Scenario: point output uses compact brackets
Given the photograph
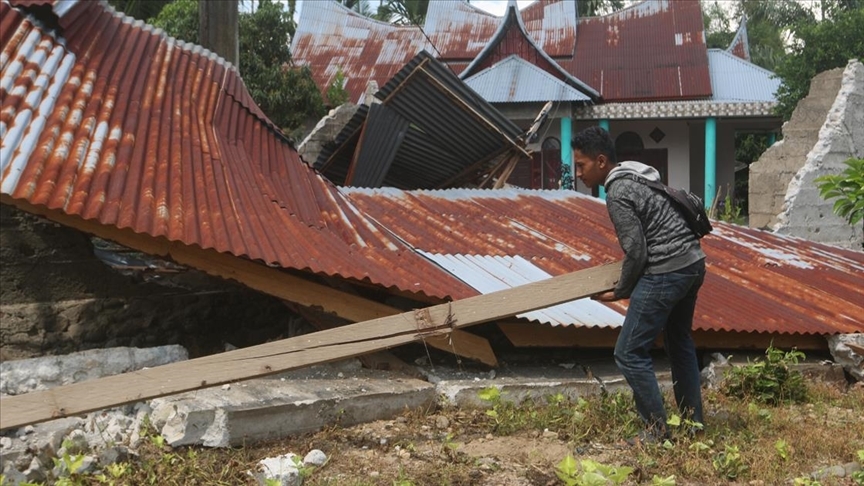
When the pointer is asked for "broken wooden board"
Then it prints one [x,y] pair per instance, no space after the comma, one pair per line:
[301,351]
[272,281]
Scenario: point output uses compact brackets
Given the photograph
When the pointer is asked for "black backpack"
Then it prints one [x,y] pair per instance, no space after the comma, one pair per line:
[689,205]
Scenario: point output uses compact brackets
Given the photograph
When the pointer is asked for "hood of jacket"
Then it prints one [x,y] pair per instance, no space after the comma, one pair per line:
[632,167]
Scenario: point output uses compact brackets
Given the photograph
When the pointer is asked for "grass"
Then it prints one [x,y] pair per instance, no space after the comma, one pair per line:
[746,440]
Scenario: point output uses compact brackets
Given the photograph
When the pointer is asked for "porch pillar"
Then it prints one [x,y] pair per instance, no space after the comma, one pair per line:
[567,148]
[604,124]
[710,160]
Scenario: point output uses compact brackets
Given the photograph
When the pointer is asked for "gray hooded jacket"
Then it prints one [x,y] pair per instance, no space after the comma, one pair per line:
[654,236]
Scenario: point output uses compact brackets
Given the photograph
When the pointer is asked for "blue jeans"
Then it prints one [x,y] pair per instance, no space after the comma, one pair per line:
[662,303]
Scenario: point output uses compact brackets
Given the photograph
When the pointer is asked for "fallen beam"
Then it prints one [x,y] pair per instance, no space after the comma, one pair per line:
[301,351]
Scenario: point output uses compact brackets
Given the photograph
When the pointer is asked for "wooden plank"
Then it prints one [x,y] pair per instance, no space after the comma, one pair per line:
[297,352]
[271,281]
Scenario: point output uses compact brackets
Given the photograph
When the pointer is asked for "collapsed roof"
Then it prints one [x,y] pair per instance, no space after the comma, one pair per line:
[111,123]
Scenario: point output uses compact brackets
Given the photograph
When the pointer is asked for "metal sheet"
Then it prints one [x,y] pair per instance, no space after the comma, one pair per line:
[117,123]
[736,80]
[757,281]
[515,80]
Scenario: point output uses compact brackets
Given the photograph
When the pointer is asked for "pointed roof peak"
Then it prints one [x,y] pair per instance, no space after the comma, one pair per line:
[740,45]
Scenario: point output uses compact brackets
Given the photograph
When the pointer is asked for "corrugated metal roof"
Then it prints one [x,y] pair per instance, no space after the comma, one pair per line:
[515,80]
[757,281]
[117,123]
[512,39]
[735,79]
[654,50]
[331,39]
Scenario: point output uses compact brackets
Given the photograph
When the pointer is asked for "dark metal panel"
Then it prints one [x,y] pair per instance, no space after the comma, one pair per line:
[380,141]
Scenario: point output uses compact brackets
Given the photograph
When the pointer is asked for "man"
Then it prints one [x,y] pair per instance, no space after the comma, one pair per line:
[663,269]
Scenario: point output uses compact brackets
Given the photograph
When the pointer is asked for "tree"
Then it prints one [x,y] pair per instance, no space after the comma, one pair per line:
[848,188]
[592,8]
[360,6]
[140,9]
[179,19]
[286,94]
[404,12]
[821,46]
[718,26]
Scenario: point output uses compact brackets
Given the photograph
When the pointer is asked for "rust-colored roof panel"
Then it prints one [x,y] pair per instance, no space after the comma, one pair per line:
[757,281]
[653,50]
[117,123]
[333,39]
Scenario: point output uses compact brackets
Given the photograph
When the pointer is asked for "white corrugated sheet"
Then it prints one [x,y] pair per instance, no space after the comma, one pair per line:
[515,80]
[488,274]
[734,79]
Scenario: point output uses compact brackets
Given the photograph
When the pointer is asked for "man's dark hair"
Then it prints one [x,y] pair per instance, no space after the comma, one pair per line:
[594,141]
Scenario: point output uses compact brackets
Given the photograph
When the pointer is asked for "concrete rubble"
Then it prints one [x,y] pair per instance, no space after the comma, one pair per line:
[848,351]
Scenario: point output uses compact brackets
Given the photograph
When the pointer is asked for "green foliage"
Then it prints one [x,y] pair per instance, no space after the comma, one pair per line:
[771,381]
[858,476]
[403,12]
[140,9]
[821,46]
[286,94]
[667,481]
[336,93]
[718,26]
[592,8]
[728,463]
[848,188]
[179,19]
[782,448]
[589,473]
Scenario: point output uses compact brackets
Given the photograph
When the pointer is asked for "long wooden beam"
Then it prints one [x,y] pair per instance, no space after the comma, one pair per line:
[257,276]
[319,347]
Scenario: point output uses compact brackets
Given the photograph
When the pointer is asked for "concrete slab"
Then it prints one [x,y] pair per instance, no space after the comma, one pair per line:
[270,408]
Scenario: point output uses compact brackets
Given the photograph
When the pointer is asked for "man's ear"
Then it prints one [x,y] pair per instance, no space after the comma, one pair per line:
[602,160]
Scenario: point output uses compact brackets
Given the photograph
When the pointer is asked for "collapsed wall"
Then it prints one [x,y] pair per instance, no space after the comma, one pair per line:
[826,129]
[57,297]
[841,137]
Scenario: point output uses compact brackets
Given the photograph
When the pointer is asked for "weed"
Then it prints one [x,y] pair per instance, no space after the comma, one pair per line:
[771,381]
[729,464]
[667,481]
[587,472]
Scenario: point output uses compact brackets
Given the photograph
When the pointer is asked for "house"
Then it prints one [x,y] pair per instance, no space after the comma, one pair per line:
[644,73]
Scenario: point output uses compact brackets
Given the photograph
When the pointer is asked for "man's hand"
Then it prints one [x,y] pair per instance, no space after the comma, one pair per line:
[605,297]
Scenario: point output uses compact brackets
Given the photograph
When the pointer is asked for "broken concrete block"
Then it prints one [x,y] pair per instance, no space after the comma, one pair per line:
[848,351]
[282,470]
[26,375]
[270,408]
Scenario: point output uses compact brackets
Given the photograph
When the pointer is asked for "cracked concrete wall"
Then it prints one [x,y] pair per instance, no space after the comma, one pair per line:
[826,129]
[805,213]
[771,174]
